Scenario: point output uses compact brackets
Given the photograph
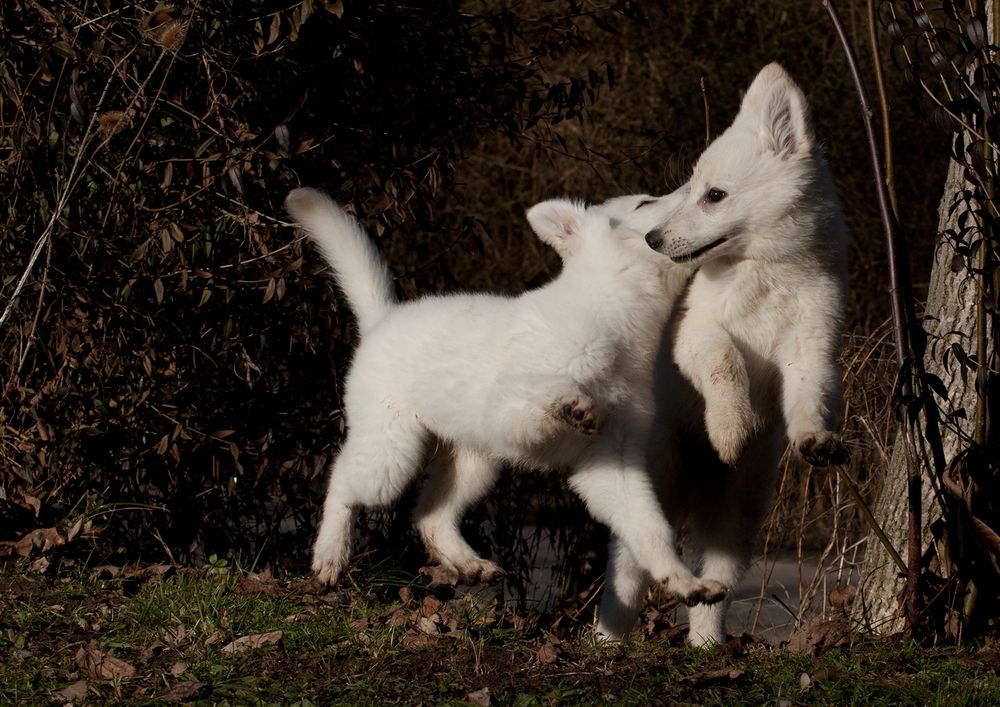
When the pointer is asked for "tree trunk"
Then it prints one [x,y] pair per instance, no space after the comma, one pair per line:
[951,301]
[950,318]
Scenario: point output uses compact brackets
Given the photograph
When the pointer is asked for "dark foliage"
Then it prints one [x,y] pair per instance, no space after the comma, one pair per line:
[172,347]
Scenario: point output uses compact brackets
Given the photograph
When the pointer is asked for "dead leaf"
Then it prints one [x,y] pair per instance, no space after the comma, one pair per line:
[549,653]
[39,566]
[175,636]
[179,668]
[405,594]
[480,697]
[713,676]
[430,606]
[74,530]
[427,625]
[98,664]
[255,584]
[256,640]
[842,597]
[400,617]
[181,691]
[440,576]
[77,692]
[39,540]
[26,500]
[817,634]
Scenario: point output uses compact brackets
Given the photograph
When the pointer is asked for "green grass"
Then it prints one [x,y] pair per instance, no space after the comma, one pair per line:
[368,644]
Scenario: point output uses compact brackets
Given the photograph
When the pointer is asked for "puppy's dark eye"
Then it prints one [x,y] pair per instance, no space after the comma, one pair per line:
[644,202]
[715,195]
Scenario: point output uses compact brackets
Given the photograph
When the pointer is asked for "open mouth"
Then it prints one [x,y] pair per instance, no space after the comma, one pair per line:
[688,257]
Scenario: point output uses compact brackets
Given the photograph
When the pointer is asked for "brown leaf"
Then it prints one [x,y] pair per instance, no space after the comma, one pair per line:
[480,697]
[181,691]
[713,676]
[179,668]
[98,664]
[549,653]
[35,541]
[405,594]
[842,597]
[816,634]
[427,625]
[256,640]
[430,606]
[77,692]
[254,584]
[400,617]
[440,576]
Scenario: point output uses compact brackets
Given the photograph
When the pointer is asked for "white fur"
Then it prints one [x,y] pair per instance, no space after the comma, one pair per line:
[757,344]
[494,378]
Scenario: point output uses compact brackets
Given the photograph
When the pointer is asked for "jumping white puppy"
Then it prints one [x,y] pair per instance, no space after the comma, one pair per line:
[756,340]
[495,378]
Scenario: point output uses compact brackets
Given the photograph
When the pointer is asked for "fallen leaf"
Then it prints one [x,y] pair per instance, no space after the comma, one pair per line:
[400,617]
[179,668]
[255,584]
[405,594]
[427,625]
[39,540]
[480,697]
[549,653]
[713,676]
[181,691]
[256,640]
[74,530]
[842,597]
[73,693]
[98,664]
[440,576]
[430,606]
[817,634]
[805,682]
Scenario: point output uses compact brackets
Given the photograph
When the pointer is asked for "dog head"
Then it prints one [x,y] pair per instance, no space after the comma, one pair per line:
[573,228]
[745,188]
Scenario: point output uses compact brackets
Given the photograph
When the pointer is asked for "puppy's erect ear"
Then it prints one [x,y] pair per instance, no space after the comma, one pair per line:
[557,222]
[778,108]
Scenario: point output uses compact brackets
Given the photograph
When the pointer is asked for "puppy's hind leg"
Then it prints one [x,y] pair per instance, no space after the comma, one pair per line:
[455,481]
[724,523]
[381,455]
[618,492]
[625,586]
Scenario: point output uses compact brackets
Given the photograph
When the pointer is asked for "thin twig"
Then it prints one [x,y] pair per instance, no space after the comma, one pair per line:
[883,102]
[912,397]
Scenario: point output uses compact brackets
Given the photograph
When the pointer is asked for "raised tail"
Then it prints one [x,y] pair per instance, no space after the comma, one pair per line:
[359,269]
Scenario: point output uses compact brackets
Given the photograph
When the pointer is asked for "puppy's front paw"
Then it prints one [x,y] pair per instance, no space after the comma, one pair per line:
[697,591]
[578,412]
[822,448]
[327,569]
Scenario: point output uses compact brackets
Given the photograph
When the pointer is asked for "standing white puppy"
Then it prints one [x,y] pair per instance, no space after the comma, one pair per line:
[495,378]
[756,340]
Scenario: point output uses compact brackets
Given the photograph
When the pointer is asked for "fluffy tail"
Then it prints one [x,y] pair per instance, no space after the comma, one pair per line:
[359,269]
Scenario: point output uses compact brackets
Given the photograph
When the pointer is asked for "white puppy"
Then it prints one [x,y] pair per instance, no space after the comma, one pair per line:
[756,339]
[495,378]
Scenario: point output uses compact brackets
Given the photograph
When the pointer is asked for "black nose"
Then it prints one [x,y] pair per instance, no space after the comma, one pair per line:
[654,239]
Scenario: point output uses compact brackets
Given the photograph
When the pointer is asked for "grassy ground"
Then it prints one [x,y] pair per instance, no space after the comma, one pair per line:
[221,636]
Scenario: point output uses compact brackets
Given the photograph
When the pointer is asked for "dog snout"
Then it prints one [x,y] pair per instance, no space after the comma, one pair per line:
[654,239]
